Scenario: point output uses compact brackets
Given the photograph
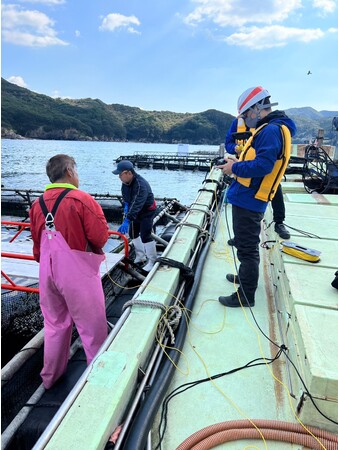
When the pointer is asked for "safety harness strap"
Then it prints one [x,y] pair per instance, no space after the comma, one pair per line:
[49,216]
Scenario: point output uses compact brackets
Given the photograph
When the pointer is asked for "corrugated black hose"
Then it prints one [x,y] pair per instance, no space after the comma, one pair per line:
[143,421]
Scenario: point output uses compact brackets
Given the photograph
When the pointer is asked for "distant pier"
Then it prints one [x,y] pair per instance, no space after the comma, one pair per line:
[180,160]
[172,161]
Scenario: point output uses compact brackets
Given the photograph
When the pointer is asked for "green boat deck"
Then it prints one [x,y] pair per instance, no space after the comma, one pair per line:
[295,306]
[222,339]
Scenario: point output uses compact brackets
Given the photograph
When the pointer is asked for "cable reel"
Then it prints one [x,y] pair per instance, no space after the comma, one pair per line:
[320,172]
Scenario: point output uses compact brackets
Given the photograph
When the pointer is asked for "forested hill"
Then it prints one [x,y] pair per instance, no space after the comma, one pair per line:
[30,115]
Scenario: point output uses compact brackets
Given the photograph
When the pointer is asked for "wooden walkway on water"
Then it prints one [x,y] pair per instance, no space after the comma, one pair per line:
[171,161]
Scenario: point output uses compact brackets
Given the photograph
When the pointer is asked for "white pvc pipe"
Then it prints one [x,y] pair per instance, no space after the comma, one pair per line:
[20,358]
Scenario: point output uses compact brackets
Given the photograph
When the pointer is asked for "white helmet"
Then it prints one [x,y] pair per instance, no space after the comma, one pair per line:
[252,96]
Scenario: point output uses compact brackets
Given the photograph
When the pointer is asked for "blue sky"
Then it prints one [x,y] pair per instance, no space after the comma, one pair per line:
[176,55]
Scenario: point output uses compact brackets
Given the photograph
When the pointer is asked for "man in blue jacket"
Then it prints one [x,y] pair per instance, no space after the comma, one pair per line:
[139,212]
[278,207]
[257,175]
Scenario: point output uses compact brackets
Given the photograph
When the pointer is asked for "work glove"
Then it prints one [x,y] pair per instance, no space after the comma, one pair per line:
[123,229]
[126,208]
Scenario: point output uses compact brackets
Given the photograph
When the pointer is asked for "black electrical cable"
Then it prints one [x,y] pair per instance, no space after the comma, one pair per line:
[191,384]
[143,421]
[305,233]
[239,279]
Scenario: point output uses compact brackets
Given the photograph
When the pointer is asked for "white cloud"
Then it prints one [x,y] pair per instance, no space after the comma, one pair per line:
[77,33]
[27,27]
[257,23]
[132,30]
[326,6]
[18,81]
[56,94]
[240,12]
[272,36]
[44,2]
[114,21]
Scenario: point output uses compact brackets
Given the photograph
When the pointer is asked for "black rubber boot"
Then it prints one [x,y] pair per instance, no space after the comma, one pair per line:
[232,278]
[233,301]
[282,231]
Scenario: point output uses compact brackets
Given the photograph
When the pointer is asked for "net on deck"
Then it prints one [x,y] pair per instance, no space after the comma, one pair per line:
[21,319]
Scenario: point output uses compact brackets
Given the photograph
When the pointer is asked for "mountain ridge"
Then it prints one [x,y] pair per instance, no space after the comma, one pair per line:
[27,114]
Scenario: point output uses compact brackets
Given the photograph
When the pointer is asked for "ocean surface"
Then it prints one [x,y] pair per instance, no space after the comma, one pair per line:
[23,165]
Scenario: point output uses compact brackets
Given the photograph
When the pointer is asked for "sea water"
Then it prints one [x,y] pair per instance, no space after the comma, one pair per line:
[23,164]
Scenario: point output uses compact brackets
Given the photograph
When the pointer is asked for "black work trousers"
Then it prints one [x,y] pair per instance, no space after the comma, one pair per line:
[142,226]
[278,206]
[247,227]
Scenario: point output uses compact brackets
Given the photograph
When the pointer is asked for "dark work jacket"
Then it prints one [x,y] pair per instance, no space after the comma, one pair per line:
[139,196]
[268,145]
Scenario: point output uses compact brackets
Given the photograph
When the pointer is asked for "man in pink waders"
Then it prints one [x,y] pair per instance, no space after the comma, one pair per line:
[69,230]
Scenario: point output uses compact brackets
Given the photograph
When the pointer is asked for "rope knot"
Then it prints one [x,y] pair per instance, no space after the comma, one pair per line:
[169,322]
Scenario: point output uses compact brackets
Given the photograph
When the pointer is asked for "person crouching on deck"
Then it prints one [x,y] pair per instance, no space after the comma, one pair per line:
[139,212]
[257,175]
[69,230]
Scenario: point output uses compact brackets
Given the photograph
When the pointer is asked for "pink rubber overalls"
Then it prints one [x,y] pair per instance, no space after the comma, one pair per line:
[70,292]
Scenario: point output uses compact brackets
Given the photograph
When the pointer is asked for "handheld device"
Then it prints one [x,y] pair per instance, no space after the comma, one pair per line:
[241,135]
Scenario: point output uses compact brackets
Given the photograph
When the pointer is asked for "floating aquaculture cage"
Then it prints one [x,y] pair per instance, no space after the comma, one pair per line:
[171,161]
